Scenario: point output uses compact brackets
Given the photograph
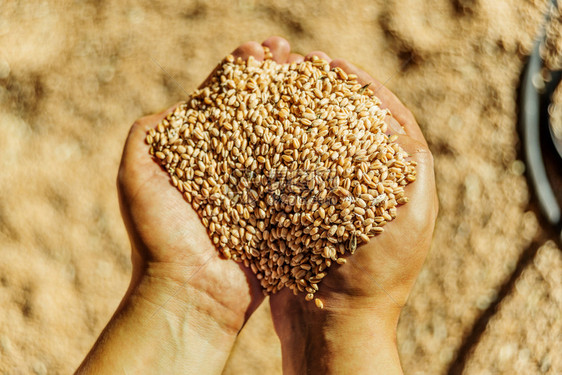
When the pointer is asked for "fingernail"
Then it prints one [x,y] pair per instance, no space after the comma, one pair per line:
[394,125]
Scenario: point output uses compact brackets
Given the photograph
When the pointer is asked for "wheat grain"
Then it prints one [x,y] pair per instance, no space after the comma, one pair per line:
[288,167]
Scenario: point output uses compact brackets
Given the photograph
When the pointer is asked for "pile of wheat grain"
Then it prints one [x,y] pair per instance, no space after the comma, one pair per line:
[287,165]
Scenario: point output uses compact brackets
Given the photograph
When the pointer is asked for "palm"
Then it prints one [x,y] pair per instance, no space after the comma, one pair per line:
[389,263]
[385,268]
[167,233]
[383,271]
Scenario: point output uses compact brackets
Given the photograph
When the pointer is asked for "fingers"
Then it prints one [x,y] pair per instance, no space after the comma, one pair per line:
[249,49]
[394,126]
[243,51]
[388,99]
[410,145]
[135,152]
[295,58]
[423,205]
[363,77]
[423,189]
[279,48]
[419,153]
[418,214]
[142,125]
[319,54]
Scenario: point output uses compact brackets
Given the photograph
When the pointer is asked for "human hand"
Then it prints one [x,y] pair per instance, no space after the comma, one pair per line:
[185,305]
[363,298]
[182,291]
[168,239]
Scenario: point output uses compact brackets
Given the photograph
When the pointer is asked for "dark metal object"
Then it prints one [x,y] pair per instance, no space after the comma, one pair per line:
[549,91]
[534,119]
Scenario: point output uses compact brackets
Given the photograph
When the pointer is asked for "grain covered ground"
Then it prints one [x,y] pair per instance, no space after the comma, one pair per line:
[75,74]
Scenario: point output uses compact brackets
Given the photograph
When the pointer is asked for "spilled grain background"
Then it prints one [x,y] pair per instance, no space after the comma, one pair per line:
[74,75]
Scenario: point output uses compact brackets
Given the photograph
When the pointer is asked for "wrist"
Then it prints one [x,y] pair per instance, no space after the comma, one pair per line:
[163,326]
[342,345]
[338,340]
[176,291]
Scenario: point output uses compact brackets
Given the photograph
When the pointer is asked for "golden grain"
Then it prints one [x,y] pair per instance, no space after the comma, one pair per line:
[319,303]
[287,166]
